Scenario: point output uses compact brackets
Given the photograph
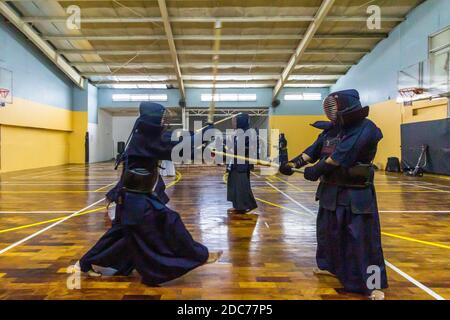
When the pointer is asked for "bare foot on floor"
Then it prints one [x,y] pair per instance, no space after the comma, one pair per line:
[320,272]
[214,256]
[377,295]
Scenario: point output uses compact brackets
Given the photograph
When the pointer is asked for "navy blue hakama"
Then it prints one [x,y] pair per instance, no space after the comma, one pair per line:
[159,247]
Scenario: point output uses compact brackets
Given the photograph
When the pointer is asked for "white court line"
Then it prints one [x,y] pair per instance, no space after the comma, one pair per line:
[413,211]
[108,185]
[423,187]
[49,184]
[414,281]
[40,174]
[6,212]
[294,201]
[15,244]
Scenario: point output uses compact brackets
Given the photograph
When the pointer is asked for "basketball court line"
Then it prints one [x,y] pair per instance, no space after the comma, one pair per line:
[310,212]
[414,211]
[48,173]
[50,184]
[414,281]
[397,270]
[15,244]
[178,177]
[390,265]
[36,212]
[424,187]
[48,221]
[108,185]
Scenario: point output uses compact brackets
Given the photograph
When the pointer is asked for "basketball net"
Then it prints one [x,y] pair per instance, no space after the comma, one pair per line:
[408,94]
[3,95]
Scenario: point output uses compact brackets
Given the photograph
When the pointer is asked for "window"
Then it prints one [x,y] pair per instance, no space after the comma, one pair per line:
[308,96]
[439,55]
[229,97]
[139,97]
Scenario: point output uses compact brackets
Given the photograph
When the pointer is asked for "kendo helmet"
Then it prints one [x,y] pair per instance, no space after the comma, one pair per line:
[344,107]
[155,113]
[243,121]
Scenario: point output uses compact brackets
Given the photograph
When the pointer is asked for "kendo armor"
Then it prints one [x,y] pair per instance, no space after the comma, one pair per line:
[344,108]
[143,176]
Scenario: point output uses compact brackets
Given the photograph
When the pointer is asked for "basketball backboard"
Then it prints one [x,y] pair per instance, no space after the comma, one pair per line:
[431,76]
[6,84]
[439,56]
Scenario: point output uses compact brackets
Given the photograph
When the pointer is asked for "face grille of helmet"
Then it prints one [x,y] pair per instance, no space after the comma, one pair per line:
[330,106]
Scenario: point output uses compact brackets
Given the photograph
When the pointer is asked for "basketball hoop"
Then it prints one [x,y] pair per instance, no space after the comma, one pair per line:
[3,95]
[408,94]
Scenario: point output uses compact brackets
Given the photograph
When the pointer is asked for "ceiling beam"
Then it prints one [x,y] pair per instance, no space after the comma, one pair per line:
[261,82]
[246,37]
[173,50]
[202,65]
[112,52]
[203,19]
[186,76]
[301,48]
[45,47]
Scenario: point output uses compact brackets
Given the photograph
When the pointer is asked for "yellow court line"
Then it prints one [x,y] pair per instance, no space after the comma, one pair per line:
[416,240]
[434,244]
[288,183]
[383,233]
[177,179]
[278,206]
[48,221]
[101,188]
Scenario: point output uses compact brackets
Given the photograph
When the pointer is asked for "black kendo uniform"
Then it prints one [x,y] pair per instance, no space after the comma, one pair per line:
[348,227]
[282,147]
[239,189]
[146,235]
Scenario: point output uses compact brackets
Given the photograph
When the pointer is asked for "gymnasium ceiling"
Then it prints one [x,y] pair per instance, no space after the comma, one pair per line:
[125,43]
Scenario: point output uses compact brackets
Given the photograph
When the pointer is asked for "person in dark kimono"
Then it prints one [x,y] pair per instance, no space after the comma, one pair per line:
[282,147]
[146,235]
[239,189]
[348,226]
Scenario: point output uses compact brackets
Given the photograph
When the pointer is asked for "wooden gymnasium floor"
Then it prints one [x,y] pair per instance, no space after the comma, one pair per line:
[266,256]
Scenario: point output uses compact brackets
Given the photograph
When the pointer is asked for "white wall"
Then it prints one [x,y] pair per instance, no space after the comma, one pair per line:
[121,129]
[100,138]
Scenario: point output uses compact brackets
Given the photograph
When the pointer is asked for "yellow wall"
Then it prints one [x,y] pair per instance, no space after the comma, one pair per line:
[297,130]
[389,116]
[426,111]
[35,135]
[27,148]
[77,137]
[26,113]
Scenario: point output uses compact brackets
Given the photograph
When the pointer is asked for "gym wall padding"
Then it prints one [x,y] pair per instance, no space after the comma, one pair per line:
[435,134]
[390,115]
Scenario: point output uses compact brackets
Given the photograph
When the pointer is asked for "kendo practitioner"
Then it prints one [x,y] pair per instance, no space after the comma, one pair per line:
[146,235]
[282,147]
[348,226]
[239,189]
